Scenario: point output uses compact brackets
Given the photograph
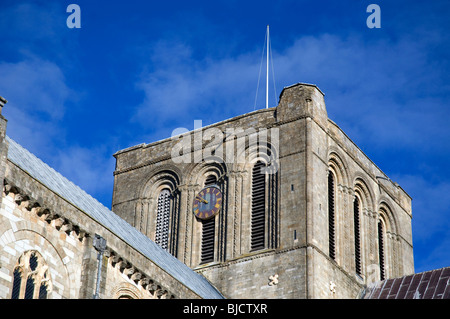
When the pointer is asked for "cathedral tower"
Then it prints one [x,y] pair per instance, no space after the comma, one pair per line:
[276,203]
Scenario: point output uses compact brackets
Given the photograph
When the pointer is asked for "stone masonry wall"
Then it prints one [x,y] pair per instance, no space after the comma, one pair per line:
[33,218]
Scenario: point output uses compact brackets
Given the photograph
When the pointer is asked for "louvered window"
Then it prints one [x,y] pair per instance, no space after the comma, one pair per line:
[357,236]
[331,216]
[258,219]
[162,219]
[210,180]
[381,250]
[208,230]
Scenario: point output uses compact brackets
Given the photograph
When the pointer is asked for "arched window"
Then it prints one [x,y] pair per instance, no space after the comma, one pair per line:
[381,249]
[208,230]
[258,217]
[162,218]
[158,210]
[357,232]
[331,216]
[31,279]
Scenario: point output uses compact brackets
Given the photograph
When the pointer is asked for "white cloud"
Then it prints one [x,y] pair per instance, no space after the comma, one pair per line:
[381,92]
[184,87]
[35,85]
[89,168]
[37,95]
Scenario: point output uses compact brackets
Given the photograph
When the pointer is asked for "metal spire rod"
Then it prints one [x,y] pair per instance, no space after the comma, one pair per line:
[267,70]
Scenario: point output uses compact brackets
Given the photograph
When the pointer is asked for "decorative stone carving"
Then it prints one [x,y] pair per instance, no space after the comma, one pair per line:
[332,287]
[273,280]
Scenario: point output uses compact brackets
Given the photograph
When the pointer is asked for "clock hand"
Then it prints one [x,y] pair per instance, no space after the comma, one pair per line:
[202,199]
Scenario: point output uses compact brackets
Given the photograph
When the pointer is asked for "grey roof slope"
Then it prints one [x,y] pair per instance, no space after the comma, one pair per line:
[75,195]
[433,284]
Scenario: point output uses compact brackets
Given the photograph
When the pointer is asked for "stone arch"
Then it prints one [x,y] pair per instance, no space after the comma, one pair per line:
[147,205]
[126,290]
[338,197]
[165,176]
[392,253]
[266,154]
[32,265]
[196,178]
[361,222]
[49,248]
[365,193]
[339,167]
[197,174]
[385,212]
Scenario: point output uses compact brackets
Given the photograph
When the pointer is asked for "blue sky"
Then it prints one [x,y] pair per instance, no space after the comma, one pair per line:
[136,70]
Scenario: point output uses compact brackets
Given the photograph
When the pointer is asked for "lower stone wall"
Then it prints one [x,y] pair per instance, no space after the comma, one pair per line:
[67,256]
[262,275]
[282,275]
[329,281]
[61,252]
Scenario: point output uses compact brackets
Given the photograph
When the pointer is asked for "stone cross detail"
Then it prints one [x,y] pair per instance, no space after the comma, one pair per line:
[273,280]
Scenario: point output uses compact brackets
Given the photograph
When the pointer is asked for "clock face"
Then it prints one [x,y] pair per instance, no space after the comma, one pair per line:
[207,202]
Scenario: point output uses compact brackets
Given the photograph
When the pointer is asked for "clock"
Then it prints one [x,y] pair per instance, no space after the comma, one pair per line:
[207,202]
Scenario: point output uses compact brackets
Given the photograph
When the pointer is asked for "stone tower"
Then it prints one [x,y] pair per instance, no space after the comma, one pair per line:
[305,213]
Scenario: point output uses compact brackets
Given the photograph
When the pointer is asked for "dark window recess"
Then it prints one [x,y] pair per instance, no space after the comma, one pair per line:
[331,217]
[162,219]
[29,289]
[210,180]
[258,207]
[43,291]
[381,249]
[16,284]
[208,230]
[33,262]
[357,237]
[208,235]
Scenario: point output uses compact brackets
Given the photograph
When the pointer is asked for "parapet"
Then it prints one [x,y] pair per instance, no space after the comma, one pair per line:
[302,100]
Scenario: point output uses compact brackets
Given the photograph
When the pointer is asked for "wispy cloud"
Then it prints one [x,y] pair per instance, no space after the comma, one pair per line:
[38,100]
[37,95]
[89,167]
[366,85]
[186,87]
[36,85]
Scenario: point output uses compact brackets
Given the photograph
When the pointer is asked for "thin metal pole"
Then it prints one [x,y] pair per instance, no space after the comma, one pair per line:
[99,244]
[99,273]
[267,70]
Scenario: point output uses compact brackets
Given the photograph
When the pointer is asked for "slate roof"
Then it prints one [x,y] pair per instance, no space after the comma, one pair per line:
[434,284]
[75,195]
